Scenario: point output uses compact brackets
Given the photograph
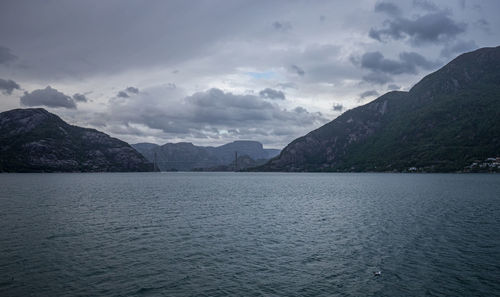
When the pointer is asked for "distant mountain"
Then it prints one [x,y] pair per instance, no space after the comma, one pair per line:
[185,156]
[243,162]
[35,140]
[445,122]
[146,149]
[253,149]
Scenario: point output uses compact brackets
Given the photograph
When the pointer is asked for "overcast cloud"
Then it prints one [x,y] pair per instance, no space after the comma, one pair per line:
[407,63]
[80,97]
[8,86]
[6,56]
[433,27]
[208,115]
[213,71]
[272,94]
[371,93]
[48,97]
[387,7]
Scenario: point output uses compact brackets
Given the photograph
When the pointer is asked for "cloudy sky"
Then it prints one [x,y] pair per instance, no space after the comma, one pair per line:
[213,71]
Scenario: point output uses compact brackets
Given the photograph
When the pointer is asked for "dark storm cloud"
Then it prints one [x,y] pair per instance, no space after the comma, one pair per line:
[382,68]
[6,56]
[122,94]
[132,90]
[47,97]
[127,92]
[80,97]
[337,107]
[272,94]
[407,63]
[429,28]
[458,47]
[371,93]
[375,61]
[8,86]
[298,70]
[387,7]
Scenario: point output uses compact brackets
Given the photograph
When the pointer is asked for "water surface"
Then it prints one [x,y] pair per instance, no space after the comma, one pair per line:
[249,234]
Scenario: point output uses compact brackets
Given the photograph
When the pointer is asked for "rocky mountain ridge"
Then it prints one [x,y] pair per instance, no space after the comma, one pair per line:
[185,156]
[445,122]
[35,140]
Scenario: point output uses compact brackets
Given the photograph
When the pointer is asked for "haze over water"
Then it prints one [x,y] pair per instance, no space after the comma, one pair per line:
[249,234]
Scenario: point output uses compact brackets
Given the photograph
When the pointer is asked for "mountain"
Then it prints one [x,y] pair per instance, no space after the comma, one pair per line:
[185,156]
[445,122]
[146,149]
[35,140]
[253,149]
[243,162]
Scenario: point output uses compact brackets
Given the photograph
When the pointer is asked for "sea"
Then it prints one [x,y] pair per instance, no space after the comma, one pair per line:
[249,234]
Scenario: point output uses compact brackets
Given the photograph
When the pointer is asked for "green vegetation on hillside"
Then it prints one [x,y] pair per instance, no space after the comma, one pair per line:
[444,123]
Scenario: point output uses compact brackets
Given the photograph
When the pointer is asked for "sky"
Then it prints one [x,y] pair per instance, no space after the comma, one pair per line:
[211,71]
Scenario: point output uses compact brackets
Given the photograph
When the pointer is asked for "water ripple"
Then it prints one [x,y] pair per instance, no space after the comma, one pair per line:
[234,234]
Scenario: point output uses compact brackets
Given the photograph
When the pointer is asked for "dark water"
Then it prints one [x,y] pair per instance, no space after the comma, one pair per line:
[239,234]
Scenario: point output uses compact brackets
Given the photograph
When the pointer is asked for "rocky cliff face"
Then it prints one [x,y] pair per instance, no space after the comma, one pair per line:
[34,140]
[447,120]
